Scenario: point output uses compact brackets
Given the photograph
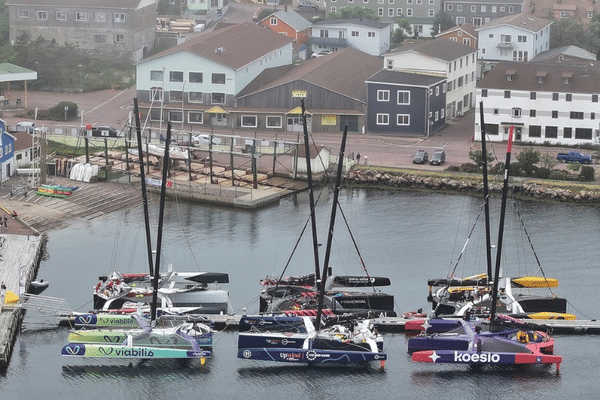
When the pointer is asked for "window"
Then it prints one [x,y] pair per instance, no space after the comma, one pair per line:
[218,98]
[437,90]
[195,77]
[402,119]
[119,38]
[511,9]
[442,113]
[522,38]
[218,79]
[554,96]
[431,12]
[484,93]
[483,9]
[155,115]
[496,111]
[507,94]
[273,121]
[449,7]
[383,95]
[576,115]
[431,2]
[119,17]
[437,114]
[249,121]
[398,12]
[80,16]
[195,117]
[176,96]
[590,14]
[175,115]
[459,7]
[569,97]
[460,20]
[156,94]
[156,76]
[390,13]
[195,97]
[61,15]
[409,12]
[583,133]
[390,63]
[99,38]
[532,113]
[551,132]
[594,98]
[532,95]
[568,133]
[273,21]
[592,115]
[354,33]
[372,34]
[23,14]
[554,114]
[535,131]
[516,112]
[494,9]
[175,76]
[380,12]
[403,97]
[460,81]
[383,119]
[42,15]
[100,17]
[473,8]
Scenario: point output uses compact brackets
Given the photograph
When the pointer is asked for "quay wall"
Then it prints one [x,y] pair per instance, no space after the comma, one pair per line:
[573,192]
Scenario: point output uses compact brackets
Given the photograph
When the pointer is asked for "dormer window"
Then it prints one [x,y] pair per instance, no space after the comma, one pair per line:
[567,76]
[510,75]
[541,76]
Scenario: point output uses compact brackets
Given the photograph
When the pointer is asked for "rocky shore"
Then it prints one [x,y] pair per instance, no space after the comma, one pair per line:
[575,192]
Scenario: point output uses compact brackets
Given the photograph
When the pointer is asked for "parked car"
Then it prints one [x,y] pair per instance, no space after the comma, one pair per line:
[24,126]
[574,156]
[320,54]
[307,5]
[106,131]
[256,14]
[420,157]
[438,158]
[203,139]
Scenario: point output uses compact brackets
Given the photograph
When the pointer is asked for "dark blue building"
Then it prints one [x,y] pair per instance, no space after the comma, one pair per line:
[405,103]
[7,150]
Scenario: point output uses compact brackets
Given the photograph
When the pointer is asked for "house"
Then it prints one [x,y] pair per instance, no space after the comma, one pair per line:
[553,103]
[196,82]
[7,149]
[514,38]
[405,103]
[566,54]
[333,88]
[288,23]
[319,159]
[465,34]
[23,149]
[456,62]
[371,37]
[480,12]
[106,29]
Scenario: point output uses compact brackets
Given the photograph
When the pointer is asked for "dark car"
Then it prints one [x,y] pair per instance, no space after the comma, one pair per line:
[420,157]
[307,5]
[438,157]
[106,131]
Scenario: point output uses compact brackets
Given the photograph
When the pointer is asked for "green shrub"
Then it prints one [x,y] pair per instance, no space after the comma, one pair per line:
[57,113]
[468,167]
[587,174]
[557,175]
[542,173]
[497,169]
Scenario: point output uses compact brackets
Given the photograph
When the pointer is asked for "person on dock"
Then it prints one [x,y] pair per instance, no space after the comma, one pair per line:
[2,292]
[358,158]
[5,222]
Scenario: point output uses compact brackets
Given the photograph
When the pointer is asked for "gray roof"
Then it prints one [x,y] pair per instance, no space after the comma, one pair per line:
[585,77]
[404,78]
[569,51]
[343,72]
[291,18]
[467,28]
[521,21]
[243,43]
[368,23]
[486,1]
[443,49]
[123,4]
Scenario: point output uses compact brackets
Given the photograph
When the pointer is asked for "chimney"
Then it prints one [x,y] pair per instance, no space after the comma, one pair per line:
[285,8]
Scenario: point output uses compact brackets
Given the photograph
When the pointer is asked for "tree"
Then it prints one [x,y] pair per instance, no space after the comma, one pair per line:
[355,12]
[566,31]
[587,173]
[403,31]
[548,161]
[62,109]
[592,35]
[527,160]
[477,157]
[442,22]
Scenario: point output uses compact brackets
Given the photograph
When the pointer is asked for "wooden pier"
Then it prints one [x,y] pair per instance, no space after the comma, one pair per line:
[19,261]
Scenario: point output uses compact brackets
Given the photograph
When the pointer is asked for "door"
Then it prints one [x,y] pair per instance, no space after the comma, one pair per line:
[294,123]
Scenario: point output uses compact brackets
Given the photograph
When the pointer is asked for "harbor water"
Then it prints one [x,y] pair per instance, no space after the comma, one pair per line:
[406,236]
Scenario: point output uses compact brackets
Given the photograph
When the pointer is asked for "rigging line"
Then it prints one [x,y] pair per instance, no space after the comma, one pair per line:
[360,257]
[113,256]
[134,248]
[185,235]
[531,244]
[468,238]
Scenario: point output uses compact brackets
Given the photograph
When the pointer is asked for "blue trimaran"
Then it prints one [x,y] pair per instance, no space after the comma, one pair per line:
[299,340]
[133,337]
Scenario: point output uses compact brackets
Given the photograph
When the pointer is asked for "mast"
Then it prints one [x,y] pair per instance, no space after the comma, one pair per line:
[486,193]
[163,189]
[144,193]
[311,196]
[336,192]
[501,228]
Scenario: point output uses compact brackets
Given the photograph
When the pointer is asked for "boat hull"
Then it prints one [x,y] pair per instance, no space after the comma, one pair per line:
[313,356]
[137,352]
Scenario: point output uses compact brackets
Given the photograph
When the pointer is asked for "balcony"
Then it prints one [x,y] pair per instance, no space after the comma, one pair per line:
[326,41]
[505,45]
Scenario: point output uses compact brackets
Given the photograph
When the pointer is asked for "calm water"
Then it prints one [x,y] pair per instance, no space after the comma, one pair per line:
[407,236]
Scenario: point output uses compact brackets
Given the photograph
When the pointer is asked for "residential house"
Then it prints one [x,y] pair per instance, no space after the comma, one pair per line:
[23,149]
[456,62]
[371,37]
[405,103]
[465,34]
[288,23]
[514,38]
[566,54]
[480,12]
[7,148]
[333,87]
[197,81]
[554,103]
[320,159]
[581,11]
[105,29]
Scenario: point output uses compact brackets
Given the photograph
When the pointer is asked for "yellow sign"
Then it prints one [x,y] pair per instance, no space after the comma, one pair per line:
[329,120]
[298,93]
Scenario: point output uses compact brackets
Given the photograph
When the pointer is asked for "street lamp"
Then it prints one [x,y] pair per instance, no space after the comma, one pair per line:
[66,109]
